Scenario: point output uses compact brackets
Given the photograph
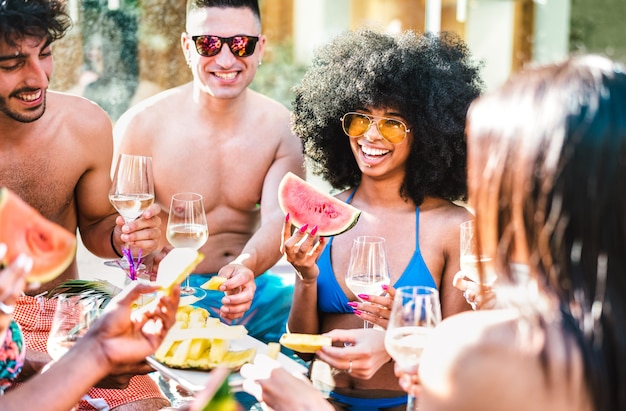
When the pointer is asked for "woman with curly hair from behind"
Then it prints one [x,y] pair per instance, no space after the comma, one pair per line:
[382,120]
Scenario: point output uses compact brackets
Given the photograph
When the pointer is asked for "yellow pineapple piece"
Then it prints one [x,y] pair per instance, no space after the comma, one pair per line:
[180,355]
[219,348]
[236,359]
[198,315]
[273,348]
[197,348]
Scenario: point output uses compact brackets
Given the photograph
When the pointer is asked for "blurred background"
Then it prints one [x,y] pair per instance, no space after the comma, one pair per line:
[121,51]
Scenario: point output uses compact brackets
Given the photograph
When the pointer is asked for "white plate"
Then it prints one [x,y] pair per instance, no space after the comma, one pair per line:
[194,381]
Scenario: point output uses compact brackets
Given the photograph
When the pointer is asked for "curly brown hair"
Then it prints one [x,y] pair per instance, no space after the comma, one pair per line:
[429,79]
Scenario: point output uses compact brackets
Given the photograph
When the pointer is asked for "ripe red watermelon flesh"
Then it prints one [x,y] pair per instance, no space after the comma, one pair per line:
[308,205]
[24,230]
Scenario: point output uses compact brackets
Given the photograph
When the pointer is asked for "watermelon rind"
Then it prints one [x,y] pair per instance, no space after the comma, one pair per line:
[306,204]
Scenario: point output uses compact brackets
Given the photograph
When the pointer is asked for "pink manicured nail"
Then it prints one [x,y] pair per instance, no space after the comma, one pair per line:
[303,228]
[321,240]
[314,230]
[384,287]
[358,312]
[364,296]
[287,218]
[352,304]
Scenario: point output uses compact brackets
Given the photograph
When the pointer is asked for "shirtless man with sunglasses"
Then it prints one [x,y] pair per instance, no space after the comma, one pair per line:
[216,137]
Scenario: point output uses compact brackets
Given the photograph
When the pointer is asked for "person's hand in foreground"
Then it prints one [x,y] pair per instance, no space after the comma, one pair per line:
[279,389]
[119,337]
[126,336]
[376,308]
[362,354]
[484,300]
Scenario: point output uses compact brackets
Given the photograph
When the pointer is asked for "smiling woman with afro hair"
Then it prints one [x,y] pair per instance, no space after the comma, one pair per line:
[382,119]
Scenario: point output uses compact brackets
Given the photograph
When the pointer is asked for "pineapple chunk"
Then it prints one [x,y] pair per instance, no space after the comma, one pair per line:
[200,341]
[182,352]
[219,348]
[273,350]
[197,348]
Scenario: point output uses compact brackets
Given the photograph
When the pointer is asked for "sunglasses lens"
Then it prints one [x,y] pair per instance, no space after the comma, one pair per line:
[355,125]
[208,46]
[242,46]
[393,130]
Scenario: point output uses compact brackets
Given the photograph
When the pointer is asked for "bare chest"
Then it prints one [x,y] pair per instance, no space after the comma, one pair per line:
[40,181]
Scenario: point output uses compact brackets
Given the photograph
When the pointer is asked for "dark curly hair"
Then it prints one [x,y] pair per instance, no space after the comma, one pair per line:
[429,79]
[32,18]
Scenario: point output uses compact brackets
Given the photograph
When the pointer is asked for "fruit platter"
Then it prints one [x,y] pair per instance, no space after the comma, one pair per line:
[198,343]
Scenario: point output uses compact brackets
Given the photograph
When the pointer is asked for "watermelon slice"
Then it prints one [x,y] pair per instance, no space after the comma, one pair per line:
[24,230]
[306,204]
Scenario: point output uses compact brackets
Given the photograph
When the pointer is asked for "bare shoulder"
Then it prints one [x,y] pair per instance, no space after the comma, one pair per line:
[485,360]
[147,116]
[76,111]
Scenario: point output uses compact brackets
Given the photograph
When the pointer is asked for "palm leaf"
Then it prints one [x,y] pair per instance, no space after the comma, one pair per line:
[101,290]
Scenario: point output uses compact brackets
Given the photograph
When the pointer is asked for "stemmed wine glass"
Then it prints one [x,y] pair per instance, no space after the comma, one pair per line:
[73,316]
[415,312]
[132,191]
[367,269]
[470,257]
[187,227]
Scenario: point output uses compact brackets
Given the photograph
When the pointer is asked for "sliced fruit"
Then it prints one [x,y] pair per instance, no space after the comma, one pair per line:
[304,343]
[176,266]
[214,283]
[192,344]
[306,204]
[273,349]
[24,230]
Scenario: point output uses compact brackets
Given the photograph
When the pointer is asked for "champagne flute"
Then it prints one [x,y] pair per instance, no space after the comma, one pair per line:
[73,316]
[132,191]
[415,312]
[187,227]
[470,258]
[367,269]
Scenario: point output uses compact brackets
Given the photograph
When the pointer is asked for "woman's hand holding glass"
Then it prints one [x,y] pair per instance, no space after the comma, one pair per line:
[377,308]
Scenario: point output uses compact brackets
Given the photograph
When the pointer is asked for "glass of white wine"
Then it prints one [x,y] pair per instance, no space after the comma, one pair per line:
[415,312]
[367,270]
[132,191]
[73,316]
[187,227]
[470,258]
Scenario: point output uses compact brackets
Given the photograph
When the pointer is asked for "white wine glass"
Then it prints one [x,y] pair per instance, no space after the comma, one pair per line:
[415,312]
[187,228]
[470,258]
[131,193]
[73,316]
[367,270]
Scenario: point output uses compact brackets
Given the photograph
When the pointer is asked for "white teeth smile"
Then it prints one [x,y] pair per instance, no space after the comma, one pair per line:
[226,76]
[373,151]
[29,96]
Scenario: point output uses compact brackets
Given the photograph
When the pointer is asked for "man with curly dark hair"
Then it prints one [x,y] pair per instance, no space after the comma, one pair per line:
[55,153]
[382,119]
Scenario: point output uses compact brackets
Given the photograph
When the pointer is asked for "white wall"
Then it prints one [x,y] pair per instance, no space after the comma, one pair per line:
[316,22]
[489,35]
[552,24]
